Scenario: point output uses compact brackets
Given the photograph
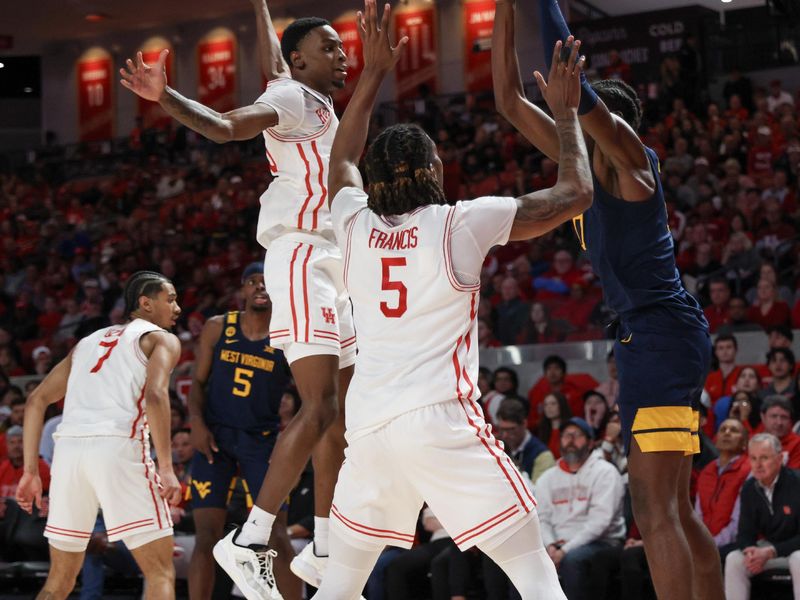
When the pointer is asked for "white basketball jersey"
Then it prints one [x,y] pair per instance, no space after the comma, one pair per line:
[298,149]
[105,390]
[416,323]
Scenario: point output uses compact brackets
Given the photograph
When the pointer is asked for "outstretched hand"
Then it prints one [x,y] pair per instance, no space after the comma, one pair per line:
[145,80]
[562,90]
[378,51]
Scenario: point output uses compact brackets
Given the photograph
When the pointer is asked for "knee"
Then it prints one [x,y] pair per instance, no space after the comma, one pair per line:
[205,539]
[794,564]
[734,561]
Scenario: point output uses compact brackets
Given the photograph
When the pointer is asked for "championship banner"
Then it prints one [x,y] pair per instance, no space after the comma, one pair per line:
[95,98]
[153,116]
[478,23]
[348,32]
[216,63]
[417,65]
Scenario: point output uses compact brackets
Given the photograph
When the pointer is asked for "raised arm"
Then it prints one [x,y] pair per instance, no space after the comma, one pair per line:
[509,95]
[541,211]
[380,57]
[269,46]
[52,389]
[150,82]
[616,140]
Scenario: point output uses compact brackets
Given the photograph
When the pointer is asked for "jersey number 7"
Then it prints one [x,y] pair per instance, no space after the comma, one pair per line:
[393,286]
[102,359]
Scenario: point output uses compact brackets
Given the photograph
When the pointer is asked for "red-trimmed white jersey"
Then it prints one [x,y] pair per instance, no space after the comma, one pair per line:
[298,149]
[105,390]
[416,321]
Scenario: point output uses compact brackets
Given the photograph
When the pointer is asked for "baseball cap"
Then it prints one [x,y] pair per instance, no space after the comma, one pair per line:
[14,431]
[582,425]
[254,268]
[701,160]
[40,351]
[764,130]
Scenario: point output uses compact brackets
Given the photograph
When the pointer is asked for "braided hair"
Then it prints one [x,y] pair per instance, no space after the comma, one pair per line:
[620,98]
[142,283]
[398,165]
[295,32]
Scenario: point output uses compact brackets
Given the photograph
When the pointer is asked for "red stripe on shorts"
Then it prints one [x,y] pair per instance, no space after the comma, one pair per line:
[371,531]
[488,527]
[81,537]
[113,529]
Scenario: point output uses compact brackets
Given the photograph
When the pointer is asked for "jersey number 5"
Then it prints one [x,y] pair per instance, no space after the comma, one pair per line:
[393,286]
[242,377]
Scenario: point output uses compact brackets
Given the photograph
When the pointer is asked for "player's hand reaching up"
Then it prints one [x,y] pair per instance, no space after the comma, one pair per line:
[169,488]
[147,81]
[29,492]
[562,90]
[379,54]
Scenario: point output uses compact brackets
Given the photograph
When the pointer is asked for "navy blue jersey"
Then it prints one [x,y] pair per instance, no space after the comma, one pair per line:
[246,382]
[632,252]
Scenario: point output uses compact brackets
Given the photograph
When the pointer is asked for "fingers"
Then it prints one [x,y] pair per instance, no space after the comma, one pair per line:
[37,498]
[400,45]
[139,61]
[387,10]
[556,55]
[578,68]
[361,25]
[573,55]
[213,443]
[162,59]
[540,82]
[208,454]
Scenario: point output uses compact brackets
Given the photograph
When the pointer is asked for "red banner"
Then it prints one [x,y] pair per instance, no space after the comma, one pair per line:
[478,23]
[95,101]
[346,28]
[152,114]
[216,63]
[417,65]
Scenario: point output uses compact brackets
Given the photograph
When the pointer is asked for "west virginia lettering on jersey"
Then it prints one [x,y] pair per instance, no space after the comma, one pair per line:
[396,240]
[248,360]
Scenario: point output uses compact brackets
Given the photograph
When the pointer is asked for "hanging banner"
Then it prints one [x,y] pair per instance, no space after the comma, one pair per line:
[153,116]
[346,28]
[216,64]
[417,64]
[95,97]
[478,23]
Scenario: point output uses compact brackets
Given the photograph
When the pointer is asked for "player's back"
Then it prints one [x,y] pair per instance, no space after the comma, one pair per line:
[105,389]
[415,316]
[298,149]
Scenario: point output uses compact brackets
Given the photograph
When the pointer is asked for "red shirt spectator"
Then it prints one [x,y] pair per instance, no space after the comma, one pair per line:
[11,468]
[717,312]
[721,382]
[776,415]
[617,68]
[555,379]
[768,311]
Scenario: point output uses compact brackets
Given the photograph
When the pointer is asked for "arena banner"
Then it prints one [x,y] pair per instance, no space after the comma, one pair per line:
[345,26]
[417,65]
[643,40]
[153,116]
[95,96]
[216,64]
[478,23]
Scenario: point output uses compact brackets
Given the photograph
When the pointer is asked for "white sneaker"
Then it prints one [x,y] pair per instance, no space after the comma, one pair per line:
[250,567]
[308,566]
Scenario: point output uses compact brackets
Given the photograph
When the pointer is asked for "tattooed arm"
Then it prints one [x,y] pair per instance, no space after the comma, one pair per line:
[541,211]
[150,82]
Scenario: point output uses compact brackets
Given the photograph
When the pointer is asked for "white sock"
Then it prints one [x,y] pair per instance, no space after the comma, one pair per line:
[321,536]
[257,528]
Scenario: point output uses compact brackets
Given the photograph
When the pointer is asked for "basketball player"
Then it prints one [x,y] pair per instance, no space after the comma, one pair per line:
[115,385]
[237,385]
[412,264]
[662,348]
[311,315]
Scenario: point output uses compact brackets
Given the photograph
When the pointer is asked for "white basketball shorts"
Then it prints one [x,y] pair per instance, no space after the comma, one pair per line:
[112,473]
[443,454]
[311,311]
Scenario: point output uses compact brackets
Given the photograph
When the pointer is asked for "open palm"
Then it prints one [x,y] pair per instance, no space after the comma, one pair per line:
[147,81]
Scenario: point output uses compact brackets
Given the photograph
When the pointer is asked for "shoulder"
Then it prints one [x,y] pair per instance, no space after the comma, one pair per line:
[150,340]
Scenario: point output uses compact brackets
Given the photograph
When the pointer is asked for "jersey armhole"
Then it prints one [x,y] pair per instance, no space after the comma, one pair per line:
[448,256]
[348,244]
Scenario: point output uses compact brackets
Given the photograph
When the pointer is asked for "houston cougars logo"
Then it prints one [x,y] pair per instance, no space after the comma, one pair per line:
[324,114]
[329,315]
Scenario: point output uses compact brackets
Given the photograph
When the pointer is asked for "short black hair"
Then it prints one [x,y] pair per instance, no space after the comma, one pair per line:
[295,32]
[786,352]
[554,359]
[727,337]
[514,410]
[723,280]
[620,98]
[398,165]
[776,400]
[783,330]
[142,283]
[511,373]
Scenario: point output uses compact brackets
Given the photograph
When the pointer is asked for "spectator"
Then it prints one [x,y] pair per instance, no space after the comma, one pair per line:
[555,413]
[741,86]
[775,229]
[718,485]
[769,531]
[617,68]
[748,381]
[612,448]
[539,328]
[738,321]
[554,379]
[529,454]
[717,312]
[574,312]
[486,337]
[780,362]
[767,271]
[761,155]
[511,312]
[580,508]
[595,412]
[776,415]
[504,385]
[11,468]
[555,283]
[182,452]
[610,388]
[42,360]
[744,409]
[777,96]
[735,109]
[768,310]
[780,336]
[720,381]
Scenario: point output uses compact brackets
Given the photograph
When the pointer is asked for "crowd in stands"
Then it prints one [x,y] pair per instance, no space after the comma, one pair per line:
[174,203]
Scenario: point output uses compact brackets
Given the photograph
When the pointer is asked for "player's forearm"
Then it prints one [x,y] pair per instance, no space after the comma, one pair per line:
[196,402]
[159,415]
[198,117]
[269,46]
[351,136]
[32,434]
